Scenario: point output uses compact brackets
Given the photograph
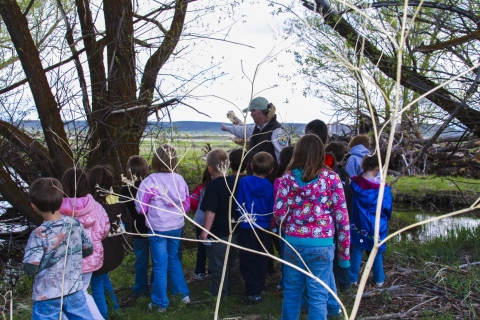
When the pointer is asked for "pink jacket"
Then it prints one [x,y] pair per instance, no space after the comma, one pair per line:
[95,221]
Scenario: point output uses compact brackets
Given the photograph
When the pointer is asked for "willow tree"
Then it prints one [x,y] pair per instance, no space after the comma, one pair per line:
[103,70]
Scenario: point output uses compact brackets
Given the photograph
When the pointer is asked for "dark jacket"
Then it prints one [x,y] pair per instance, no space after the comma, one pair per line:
[362,223]
[112,245]
[258,144]
[128,195]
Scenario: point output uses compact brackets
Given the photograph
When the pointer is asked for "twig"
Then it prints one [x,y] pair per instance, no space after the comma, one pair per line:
[402,315]
[425,302]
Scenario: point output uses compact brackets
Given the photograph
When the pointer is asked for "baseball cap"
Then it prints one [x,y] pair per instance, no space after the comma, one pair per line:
[258,103]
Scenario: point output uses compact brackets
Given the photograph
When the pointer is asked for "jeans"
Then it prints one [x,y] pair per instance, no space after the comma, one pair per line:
[356,260]
[253,266]
[96,315]
[201,254]
[74,306]
[142,257]
[216,257]
[101,287]
[320,262]
[166,264]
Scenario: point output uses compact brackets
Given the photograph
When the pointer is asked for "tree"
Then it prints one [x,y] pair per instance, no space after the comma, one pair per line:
[441,44]
[115,93]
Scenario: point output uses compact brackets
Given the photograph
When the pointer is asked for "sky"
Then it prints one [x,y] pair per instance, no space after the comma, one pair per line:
[262,31]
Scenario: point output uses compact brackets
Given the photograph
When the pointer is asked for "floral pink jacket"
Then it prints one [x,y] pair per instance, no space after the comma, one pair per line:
[94,219]
[314,211]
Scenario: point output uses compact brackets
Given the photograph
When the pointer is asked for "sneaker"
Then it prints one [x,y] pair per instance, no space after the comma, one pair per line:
[200,276]
[379,284]
[155,308]
[354,283]
[186,300]
[279,287]
[251,299]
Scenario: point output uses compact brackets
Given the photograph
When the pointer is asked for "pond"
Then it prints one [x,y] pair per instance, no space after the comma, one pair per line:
[435,229]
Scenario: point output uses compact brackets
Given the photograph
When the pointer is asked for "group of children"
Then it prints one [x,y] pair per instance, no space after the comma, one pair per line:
[314,205]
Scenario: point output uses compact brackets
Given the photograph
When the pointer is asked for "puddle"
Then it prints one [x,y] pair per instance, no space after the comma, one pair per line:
[435,229]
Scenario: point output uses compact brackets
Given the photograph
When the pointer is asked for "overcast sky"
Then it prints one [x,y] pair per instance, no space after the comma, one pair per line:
[262,31]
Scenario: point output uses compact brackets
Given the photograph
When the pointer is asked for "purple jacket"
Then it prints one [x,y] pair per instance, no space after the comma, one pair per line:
[163,198]
[94,219]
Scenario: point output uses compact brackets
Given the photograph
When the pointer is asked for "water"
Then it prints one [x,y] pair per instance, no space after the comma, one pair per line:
[435,229]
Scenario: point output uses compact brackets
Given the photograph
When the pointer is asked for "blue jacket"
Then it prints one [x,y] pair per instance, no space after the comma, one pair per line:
[354,163]
[255,195]
[362,223]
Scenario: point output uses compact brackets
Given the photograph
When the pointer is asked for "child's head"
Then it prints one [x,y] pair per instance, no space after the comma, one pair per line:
[137,167]
[285,157]
[103,178]
[165,159]
[235,158]
[262,163]
[217,159]
[308,155]
[46,194]
[370,163]
[337,149]
[362,139]
[319,128]
[75,183]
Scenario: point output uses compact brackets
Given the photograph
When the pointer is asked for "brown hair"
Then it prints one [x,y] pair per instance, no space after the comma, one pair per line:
[370,162]
[337,149]
[217,159]
[46,194]
[309,155]
[75,183]
[137,167]
[102,177]
[285,157]
[165,159]
[262,163]
[362,139]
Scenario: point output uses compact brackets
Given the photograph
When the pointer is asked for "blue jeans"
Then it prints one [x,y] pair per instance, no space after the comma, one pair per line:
[356,260]
[74,307]
[320,262]
[142,256]
[166,263]
[101,287]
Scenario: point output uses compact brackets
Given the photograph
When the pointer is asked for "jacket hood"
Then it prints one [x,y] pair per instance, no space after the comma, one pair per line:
[359,150]
[77,207]
[367,197]
[258,186]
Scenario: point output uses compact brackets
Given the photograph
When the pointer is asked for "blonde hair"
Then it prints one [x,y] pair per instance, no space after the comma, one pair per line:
[217,159]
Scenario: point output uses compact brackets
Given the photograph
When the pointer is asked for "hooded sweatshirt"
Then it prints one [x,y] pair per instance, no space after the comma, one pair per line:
[163,198]
[312,212]
[94,219]
[362,224]
[255,196]
[354,163]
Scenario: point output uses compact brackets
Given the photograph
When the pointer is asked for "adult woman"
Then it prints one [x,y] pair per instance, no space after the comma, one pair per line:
[310,203]
[267,134]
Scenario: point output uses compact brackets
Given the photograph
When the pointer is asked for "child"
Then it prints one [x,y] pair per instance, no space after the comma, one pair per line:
[235,158]
[101,177]
[365,189]
[163,198]
[79,204]
[137,170]
[255,202]
[197,197]
[285,157]
[218,220]
[359,148]
[56,275]
[310,203]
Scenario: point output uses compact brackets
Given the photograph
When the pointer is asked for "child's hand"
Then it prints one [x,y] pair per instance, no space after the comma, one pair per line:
[204,235]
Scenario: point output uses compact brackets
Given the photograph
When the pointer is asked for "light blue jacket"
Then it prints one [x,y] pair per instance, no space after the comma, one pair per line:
[354,163]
